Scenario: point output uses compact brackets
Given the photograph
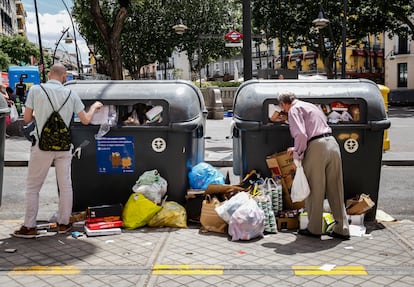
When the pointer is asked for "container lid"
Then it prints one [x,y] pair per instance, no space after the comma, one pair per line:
[250,97]
[185,101]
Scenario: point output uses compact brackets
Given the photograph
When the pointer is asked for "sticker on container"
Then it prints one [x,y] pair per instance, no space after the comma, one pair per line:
[115,155]
[351,145]
[159,145]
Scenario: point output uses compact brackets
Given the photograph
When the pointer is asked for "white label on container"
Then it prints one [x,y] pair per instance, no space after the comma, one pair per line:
[159,144]
[351,145]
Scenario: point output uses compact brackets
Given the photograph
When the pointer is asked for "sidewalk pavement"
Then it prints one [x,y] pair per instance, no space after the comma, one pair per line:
[185,257]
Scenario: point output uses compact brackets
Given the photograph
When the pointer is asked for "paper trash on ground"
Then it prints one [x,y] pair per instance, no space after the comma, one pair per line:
[357,230]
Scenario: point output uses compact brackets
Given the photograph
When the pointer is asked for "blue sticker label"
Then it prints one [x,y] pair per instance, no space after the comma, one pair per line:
[115,155]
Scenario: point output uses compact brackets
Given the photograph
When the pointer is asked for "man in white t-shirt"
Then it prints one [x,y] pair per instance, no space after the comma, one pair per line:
[38,105]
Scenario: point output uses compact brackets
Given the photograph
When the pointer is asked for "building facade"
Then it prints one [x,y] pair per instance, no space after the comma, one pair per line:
[21,18]
[8,24]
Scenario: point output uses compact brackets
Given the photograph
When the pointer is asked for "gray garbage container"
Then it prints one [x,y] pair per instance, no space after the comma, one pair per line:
[360,138]
[172,143]
[4,112]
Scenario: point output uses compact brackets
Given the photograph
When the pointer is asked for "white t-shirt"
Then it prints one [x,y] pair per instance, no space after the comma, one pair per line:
[37,100]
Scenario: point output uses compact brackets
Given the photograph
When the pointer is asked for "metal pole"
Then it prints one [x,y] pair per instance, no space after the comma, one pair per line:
[343,66]
[247,40]
[42,62]
[280,37]
[74,38]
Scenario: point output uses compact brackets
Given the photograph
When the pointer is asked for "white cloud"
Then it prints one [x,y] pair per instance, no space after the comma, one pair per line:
[51,27]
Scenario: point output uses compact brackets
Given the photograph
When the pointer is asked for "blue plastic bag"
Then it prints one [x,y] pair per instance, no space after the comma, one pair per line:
[203,174]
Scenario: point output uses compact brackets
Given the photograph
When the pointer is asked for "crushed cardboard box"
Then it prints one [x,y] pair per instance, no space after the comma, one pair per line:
[281,166]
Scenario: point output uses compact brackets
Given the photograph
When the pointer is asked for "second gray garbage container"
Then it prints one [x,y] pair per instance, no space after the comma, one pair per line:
[356,113]
[156,125]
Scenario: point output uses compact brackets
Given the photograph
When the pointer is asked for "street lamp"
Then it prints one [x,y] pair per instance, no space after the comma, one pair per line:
[68,40]
[180,28]
[320,23]
[74,37]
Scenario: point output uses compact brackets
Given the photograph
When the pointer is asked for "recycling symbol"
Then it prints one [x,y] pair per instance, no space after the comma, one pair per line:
[351,145]
[159,144]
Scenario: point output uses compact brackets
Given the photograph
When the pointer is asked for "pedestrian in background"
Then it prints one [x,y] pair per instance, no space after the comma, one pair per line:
[21,90]
[40,161]
[322,164]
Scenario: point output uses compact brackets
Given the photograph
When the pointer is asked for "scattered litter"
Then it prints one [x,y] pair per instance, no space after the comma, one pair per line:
[381,216]
[327,267]
[76,234]
[241,252]
[10,250]
[147,243]
[357,230]
[349,247]
[109,241]
[61,242]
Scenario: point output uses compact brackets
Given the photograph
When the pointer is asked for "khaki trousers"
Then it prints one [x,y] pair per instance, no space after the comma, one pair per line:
[322,165]
[39,164]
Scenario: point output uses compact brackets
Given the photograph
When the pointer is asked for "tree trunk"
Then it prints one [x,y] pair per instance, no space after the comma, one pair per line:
[111,37]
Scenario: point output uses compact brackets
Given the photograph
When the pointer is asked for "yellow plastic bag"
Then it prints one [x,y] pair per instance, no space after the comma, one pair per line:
[138,211]
[172,214]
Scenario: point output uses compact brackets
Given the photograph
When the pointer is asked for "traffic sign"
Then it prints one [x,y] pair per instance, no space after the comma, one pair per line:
[234,36]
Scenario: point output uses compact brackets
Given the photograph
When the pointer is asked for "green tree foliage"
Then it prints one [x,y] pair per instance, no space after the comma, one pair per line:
[208,22]
[147,35]
[291,22]
[4,61]
[18,50]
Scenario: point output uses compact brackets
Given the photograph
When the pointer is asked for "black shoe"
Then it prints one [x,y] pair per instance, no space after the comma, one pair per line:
[306,232]
[339,236]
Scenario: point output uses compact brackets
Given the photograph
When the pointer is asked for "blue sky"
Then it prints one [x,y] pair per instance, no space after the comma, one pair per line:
[53,19]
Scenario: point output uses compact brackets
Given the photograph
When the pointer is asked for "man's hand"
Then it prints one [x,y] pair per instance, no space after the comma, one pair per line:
[97,105]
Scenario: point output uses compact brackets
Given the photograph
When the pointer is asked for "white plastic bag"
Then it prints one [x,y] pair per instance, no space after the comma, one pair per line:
[228,207]
[247,222]
[151,185]
[300,187]
[14,115]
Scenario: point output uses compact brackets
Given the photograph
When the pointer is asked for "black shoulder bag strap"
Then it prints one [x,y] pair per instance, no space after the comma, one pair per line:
[70,91]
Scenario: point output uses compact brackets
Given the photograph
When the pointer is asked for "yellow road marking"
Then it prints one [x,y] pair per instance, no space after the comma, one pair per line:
[337,270]
[164,269]
[45,270]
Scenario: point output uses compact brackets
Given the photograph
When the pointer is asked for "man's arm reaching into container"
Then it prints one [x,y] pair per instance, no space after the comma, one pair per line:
[86,117]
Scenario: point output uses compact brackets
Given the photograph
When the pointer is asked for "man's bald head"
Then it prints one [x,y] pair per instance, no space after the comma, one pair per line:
[57,72]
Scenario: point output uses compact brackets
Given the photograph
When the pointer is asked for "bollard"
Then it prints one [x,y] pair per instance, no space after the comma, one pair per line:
[214,104]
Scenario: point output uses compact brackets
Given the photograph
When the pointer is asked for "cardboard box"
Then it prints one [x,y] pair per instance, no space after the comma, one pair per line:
[359,205]
[194,200]
[104,210]
[357,219]
[103,225]
[327,221]
[103,219]
[287,223]
[100,232]
[281,166]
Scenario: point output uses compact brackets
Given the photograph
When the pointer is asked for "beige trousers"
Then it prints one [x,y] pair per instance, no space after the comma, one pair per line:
[39,164]
[323,168]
